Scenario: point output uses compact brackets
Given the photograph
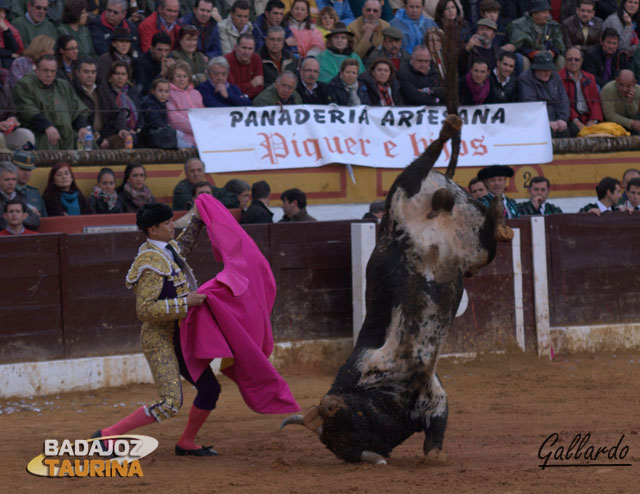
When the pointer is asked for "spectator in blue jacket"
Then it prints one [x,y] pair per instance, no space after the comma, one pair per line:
[342,8]
[202,20]
[217,90]
[413,24]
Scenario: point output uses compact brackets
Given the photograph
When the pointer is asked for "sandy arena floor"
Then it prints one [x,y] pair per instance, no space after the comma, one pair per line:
[501,410]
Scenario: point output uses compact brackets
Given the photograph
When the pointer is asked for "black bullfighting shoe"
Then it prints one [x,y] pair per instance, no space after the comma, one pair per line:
[204,451]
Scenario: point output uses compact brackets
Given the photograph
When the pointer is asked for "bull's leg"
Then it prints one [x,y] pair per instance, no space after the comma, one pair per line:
[435,422]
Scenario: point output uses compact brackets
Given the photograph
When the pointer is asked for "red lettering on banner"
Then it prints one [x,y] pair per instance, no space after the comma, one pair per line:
[275,146]
[350,143]
[388,147]
[362,146]
[479,149]
[296,151]
[419,145]
[337,149]
[463,148]
[312,148]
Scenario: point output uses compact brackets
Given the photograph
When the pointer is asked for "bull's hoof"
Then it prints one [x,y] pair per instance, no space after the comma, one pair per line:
[435,457]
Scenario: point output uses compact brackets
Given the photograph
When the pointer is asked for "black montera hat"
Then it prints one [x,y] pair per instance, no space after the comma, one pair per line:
[152,214]
[495,171]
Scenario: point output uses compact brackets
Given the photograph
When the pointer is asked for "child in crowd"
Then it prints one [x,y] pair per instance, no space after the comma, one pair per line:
[156,132]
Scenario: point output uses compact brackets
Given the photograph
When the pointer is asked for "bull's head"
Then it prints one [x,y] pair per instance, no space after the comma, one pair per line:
[344,426]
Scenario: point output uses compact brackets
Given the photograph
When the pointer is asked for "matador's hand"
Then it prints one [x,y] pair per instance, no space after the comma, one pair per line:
[194,299]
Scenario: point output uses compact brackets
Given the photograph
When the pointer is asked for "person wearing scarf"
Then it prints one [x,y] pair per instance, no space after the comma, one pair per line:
[133,192]
[345,85]
[475,85]
[104,198]
[379,86]
[118,78]
[61,195]
[339,47]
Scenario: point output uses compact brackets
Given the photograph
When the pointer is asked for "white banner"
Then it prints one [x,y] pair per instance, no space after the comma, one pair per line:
[272,138]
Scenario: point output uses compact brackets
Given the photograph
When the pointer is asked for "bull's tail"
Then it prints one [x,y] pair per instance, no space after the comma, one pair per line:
[411,178]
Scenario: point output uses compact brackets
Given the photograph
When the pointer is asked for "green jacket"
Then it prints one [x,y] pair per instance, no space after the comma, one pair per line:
[28,30]
[512,206]
[197,62]
[269,97]
[618,109]
[594,205]
[527,38]
[39,106]
[83,38]
[527,209]
[330,64]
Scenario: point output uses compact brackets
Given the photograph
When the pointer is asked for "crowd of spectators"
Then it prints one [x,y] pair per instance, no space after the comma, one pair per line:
[612,194]
[107,75]
[23,206]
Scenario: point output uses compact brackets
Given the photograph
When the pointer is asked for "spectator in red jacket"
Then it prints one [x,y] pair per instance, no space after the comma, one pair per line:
[582,90]
[165,20]
[245,66]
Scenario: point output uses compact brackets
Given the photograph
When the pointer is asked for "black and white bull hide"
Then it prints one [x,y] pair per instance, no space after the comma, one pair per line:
[432,235]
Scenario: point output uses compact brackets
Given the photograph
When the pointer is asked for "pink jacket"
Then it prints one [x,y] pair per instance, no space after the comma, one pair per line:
[234,322]
[307,39]
[182,100]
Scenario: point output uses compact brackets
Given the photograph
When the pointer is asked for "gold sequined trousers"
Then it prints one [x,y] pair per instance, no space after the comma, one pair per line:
[162,350]
[157,344]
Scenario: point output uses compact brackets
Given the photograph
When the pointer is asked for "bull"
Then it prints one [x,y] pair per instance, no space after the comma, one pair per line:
[431,236]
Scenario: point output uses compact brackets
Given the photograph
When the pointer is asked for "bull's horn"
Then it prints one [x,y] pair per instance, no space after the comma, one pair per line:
[373,458]
[293,419]
[311,420]
[504,233]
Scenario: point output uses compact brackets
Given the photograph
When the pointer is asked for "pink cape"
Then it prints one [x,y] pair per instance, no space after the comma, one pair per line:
[234,321]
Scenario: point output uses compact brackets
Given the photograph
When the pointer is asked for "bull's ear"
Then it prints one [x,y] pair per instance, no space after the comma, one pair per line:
[443,199]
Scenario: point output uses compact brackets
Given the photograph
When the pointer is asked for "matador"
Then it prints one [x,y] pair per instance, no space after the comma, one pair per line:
[165,288]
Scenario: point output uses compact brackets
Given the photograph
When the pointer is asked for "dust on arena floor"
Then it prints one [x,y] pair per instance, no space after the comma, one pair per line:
[502,408]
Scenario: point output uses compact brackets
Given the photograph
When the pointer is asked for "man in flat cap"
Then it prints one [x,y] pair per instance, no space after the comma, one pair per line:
[542,83]
[495,179]
[536,31]
[165,288]
[482,45]
[25,163]
[391,48]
